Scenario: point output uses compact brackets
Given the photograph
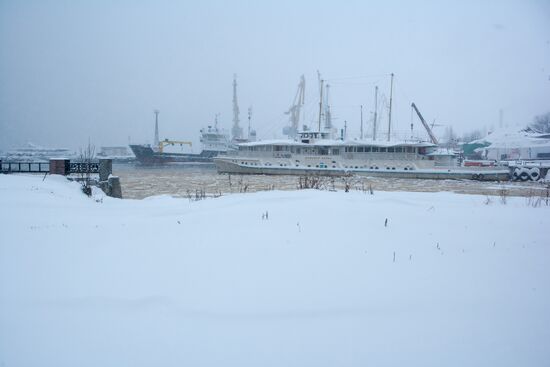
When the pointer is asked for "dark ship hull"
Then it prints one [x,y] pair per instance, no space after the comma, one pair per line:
[145,155]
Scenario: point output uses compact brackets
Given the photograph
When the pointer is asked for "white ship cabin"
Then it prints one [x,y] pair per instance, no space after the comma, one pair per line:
[214,139]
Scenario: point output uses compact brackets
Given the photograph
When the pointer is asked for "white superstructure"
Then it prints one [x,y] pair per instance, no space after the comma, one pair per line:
[316,153]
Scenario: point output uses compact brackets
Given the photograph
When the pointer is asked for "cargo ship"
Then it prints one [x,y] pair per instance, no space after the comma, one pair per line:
[214,143]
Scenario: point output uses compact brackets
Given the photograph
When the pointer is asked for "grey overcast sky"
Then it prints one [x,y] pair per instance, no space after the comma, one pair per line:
[77,70]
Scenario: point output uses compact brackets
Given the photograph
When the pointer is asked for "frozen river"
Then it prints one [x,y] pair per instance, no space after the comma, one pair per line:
[182,181]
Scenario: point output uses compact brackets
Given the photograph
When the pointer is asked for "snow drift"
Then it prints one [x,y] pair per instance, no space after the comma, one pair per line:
[450,281]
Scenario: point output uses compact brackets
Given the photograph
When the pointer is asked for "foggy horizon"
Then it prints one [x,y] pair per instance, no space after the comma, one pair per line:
[73,72]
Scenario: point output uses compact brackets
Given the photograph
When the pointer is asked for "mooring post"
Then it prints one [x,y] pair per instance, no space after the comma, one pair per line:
[115,190]
[105,169]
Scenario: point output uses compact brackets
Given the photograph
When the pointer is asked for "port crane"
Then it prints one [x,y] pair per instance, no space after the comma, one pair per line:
[166,142]
[294,110]
[426,126]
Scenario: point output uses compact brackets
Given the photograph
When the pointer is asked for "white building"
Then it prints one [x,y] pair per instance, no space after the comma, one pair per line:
[510,144]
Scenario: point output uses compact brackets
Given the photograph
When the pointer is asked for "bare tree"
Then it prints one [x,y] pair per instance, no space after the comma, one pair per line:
[449,138]
[541,123]
[472,135]
[85,170]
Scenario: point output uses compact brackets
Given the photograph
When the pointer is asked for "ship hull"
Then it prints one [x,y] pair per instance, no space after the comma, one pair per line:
[145,155]
[455,173]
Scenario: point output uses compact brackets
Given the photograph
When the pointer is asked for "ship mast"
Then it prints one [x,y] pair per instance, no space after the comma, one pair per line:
[328,115]
[389,117]
[375,112]
[321,82]
[156,141]
[236,131]
[249,117]
[361,122]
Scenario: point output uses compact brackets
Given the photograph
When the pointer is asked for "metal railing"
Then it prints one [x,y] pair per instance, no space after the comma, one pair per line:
[44,167]
[25,167]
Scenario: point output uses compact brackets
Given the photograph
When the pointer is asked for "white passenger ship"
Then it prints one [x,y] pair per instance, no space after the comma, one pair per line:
[315,153]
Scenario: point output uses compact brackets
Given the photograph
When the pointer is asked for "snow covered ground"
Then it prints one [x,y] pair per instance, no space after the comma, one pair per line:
[169,282]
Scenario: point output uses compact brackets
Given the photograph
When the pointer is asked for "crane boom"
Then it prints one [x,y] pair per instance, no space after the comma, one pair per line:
[165,142]
[426,126]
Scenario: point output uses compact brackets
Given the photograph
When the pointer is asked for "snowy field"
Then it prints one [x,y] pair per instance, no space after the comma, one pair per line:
[451,280]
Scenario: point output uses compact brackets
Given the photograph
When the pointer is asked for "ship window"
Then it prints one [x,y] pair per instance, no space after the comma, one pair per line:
[335,151]
[391,150]
[360,149]
[383,150]
[298,150]
[323,151]
[278,148]
[375,149]
[367,149]
[398,149]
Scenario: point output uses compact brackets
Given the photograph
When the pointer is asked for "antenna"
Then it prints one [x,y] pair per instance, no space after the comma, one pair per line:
[156,141]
